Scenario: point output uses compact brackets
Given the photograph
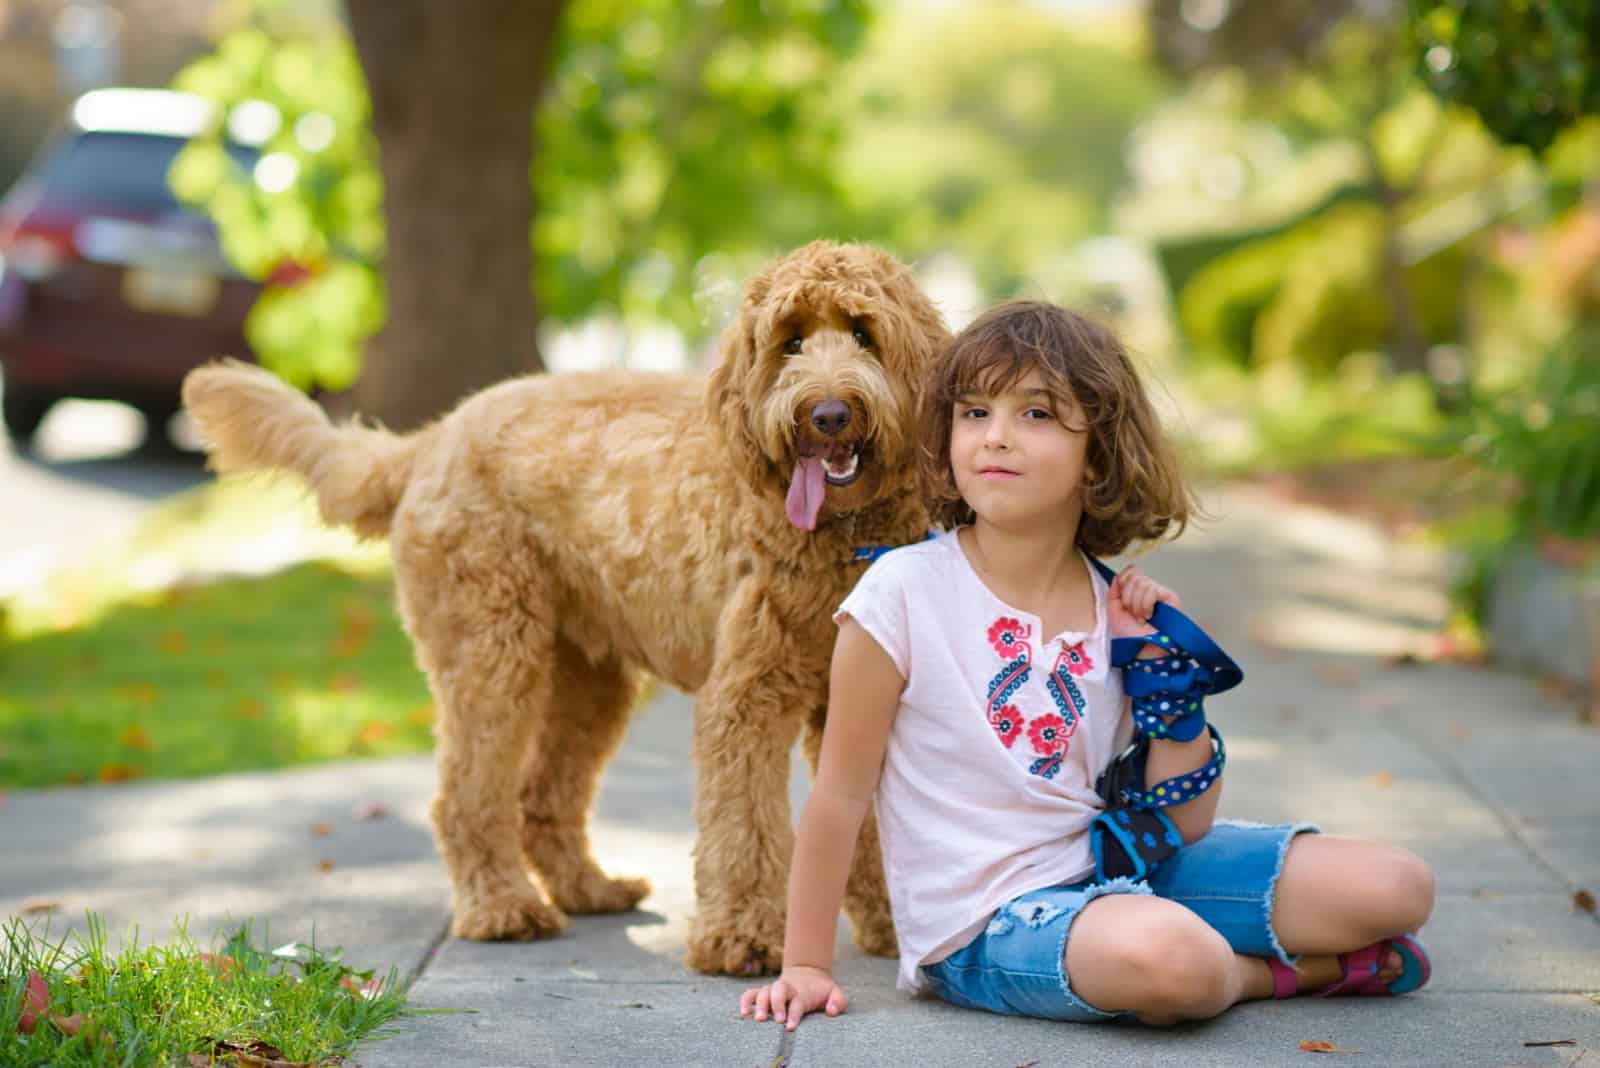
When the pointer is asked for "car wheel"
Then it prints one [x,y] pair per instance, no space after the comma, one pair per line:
[24,410]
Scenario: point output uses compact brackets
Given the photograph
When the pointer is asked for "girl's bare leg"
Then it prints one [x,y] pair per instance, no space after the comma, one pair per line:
[1162,962]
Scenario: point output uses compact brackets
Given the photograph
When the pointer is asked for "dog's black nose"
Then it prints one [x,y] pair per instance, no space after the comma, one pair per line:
[830,417]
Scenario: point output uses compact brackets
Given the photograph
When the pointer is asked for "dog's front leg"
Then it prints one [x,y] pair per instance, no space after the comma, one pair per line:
[746,722]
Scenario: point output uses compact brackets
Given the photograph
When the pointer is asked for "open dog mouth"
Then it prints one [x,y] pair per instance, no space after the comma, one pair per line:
[834,463]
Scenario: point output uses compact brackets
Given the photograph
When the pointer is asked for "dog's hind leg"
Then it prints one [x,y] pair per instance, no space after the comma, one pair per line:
[487,654]
[590,707]
[866,895]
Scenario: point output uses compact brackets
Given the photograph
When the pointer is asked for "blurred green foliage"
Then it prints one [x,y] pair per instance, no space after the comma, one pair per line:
[1010,154]
[666,130]
[1544,434]
[1528,69]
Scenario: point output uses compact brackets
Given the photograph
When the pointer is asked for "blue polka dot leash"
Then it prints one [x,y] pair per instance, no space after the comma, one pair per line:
[1133,836]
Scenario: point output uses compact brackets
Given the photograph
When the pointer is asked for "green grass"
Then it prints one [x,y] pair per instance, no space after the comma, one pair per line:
[158,1005]
[102,681]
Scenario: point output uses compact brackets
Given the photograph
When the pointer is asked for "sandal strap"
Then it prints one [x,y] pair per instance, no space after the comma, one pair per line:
[1360,972]
[1285,982]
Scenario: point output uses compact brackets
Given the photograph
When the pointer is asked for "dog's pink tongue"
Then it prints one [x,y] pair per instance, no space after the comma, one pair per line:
[806,488]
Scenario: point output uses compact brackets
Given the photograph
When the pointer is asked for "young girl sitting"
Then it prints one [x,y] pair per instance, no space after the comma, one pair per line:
[975,700]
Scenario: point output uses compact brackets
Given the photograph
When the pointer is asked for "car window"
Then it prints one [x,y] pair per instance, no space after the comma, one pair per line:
[126,169]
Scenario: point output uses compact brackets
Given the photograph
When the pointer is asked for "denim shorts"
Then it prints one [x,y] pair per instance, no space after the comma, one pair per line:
[1017,965]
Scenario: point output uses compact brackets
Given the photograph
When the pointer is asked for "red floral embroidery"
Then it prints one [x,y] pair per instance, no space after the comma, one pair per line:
[1007,635]
[1048,734]
[1007,723]
[1078,662]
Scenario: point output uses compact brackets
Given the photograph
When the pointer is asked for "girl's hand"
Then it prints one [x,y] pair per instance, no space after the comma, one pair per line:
[1134,596]
[797,991]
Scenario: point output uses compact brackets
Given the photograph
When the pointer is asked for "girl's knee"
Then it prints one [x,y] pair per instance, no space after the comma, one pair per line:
[1406,888]
[1163,963]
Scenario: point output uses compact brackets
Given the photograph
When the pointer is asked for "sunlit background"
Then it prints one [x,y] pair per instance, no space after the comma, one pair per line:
[1354,242]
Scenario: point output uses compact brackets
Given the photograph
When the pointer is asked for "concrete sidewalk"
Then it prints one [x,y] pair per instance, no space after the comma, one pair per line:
[1474,769]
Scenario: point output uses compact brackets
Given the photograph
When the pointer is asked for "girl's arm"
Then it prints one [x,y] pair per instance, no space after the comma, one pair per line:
[1133,597]
[1169,759]
[863,693]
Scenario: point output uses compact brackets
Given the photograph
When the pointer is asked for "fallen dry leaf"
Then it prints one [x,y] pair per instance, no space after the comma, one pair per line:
[344,682]
[35,999]
[220,963]
[1551,1042]
[373,731]
[1382,778]
[117,773]
[1583,901]
[325,864]
[68,1025]
[322,830]
[33,908]
[135,737]
[369,989]
[139,693]
[1316,1045]
[370,810]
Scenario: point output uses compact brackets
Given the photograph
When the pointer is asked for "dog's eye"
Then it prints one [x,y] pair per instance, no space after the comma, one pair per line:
[863,338]
[792,346]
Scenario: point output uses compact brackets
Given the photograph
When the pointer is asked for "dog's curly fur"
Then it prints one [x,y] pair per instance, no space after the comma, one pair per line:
[557,534]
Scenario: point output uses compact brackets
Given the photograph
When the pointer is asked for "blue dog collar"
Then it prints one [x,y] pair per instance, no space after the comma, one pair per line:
[869,553]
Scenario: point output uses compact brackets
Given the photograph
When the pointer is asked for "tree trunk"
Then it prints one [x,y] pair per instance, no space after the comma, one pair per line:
[453,88]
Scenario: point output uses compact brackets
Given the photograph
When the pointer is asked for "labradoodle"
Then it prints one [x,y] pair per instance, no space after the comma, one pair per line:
[556,535]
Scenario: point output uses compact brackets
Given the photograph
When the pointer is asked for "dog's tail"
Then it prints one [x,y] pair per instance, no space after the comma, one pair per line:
[253,420]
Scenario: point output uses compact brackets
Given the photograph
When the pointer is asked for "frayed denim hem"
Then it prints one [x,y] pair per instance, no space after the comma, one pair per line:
[1295,831]
[1110,886]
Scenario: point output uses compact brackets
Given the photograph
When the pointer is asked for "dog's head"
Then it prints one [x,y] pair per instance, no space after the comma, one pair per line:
[820,378]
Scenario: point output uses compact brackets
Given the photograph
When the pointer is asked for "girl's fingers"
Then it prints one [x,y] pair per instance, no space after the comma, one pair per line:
[780,1000]
[837,1002]
[747,1002]
[763,1002]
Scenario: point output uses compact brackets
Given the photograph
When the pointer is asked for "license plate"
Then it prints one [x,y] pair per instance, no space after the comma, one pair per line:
[170,292]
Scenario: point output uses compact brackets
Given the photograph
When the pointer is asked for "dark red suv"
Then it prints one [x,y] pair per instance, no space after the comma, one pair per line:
[109,288]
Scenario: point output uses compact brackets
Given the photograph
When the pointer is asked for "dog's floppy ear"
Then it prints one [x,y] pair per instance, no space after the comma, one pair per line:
[911,332]
[729,389]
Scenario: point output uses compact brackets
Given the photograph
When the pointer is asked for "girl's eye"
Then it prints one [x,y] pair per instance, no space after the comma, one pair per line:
[1040,413]
[972,413]
[792,346]
[863,338]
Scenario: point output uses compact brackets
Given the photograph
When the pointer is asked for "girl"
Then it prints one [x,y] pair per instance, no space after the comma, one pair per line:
[974,699]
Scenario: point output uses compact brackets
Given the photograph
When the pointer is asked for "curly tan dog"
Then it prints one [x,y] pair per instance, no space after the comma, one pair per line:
[556,534]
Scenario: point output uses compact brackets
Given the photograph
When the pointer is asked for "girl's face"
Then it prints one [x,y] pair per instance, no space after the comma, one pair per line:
[1018,457]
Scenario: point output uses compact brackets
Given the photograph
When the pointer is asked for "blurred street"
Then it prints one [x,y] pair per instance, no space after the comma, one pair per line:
[86,481]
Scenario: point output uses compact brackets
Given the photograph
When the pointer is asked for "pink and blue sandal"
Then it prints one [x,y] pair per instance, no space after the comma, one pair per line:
[1361,972]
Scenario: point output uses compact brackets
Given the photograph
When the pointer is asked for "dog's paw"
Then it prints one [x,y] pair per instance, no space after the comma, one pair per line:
[877,938]
[735,949]
[507,917]
[598,893]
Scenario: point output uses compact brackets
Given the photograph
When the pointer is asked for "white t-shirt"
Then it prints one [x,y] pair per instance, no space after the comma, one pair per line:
[987,789]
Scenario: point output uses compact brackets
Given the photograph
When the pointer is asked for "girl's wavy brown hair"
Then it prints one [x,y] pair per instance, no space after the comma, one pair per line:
[1135,490]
